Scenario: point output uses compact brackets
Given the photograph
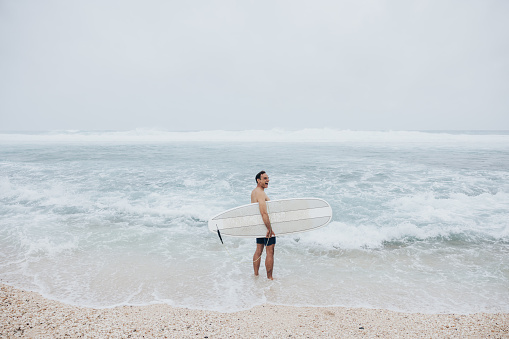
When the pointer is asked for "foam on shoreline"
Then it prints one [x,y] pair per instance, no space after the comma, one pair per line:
[28,314]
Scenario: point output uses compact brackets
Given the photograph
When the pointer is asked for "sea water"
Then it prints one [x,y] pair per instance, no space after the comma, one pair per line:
[420,219]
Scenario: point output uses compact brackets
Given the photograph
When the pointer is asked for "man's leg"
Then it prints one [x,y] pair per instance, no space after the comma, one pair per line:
[257,258]
[269,261]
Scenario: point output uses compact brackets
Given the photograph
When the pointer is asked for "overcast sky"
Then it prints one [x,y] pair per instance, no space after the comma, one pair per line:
[236,65]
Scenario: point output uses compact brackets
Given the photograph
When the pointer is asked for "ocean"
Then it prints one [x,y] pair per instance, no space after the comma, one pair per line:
[101,219]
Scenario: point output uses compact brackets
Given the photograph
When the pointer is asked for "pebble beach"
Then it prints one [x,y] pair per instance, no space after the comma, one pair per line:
[25,314]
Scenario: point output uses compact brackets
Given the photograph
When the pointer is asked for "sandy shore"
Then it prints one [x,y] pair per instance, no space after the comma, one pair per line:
[29,315]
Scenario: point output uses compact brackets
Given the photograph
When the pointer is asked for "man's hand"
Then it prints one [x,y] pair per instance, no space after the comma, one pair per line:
[270,233]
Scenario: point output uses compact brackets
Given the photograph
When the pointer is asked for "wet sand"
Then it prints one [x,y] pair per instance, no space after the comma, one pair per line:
[27,314]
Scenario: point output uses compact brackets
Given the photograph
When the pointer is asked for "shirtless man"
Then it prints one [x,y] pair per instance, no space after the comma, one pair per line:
[258,195]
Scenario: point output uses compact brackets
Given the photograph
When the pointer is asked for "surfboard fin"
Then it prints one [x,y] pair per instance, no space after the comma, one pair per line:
[219,234]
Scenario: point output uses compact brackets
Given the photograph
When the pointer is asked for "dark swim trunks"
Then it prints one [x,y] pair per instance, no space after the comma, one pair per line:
[263,241]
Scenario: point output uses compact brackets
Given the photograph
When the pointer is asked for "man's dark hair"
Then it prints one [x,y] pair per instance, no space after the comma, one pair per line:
[259,176]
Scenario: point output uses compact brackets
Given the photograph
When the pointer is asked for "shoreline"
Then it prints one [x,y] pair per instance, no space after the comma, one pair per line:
[26,314]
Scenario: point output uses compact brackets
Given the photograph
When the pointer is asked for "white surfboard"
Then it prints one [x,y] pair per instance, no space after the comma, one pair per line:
[286,216]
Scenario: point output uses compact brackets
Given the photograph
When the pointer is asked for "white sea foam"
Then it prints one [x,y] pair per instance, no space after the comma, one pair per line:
[250,136]
[344,236]
[101,225]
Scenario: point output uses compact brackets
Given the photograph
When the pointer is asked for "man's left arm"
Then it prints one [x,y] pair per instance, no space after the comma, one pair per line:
[265,217]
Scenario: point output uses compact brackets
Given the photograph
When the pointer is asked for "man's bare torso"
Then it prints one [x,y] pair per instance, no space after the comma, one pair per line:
[258,195]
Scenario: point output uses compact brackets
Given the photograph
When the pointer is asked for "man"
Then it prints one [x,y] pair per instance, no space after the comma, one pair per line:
[258,195]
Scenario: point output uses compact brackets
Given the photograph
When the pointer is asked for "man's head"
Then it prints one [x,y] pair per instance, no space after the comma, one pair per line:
[262,179]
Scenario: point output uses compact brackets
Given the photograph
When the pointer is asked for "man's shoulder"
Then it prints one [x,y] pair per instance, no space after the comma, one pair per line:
[258,194]
[254,196]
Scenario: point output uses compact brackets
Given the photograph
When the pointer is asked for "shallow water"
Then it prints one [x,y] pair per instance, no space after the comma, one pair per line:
[419,219]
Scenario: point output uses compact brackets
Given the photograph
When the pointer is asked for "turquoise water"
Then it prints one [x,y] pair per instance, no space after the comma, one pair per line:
[420,219]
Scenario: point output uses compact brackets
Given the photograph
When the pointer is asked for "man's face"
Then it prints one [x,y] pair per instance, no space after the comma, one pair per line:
[264,180]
